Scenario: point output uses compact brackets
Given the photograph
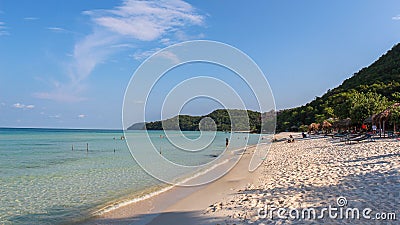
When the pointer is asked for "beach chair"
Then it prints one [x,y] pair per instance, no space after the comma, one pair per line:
[342,137]
[360,138]
[397,136]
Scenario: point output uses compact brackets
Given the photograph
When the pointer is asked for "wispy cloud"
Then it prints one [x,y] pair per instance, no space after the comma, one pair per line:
[30,18]
[57,29]
[140,55]
[147,20]
[3,29]
[58,116]
[81,116]
[170,56]
[61,95]
[396,17]
[23,106]
[125,26]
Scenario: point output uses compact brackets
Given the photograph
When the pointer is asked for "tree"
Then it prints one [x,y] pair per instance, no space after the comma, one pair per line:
[395,117]
[365,105]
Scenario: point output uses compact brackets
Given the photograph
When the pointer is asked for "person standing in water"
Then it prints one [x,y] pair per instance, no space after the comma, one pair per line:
[226,142]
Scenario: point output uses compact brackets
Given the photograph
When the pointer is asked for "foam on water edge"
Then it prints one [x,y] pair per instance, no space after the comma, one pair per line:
[152,193]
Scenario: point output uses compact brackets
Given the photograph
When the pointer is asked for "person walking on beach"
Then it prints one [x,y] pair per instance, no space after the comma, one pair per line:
[374,129]
[226,142]
[364,127]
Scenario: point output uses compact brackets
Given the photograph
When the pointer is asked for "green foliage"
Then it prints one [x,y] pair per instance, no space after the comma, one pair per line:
[367,92]
[319,118]
[395,116]
[303,128]
[396,96]
[365,105]
[225,120]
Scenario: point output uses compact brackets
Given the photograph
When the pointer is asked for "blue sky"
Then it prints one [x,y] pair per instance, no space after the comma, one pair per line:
[67,64]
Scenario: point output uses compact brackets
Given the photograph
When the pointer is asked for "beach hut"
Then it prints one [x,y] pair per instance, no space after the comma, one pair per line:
[383,117]
[326,126]
[313,127]
[342,124]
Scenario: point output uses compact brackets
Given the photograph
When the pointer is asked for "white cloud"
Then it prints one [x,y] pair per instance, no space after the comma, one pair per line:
[147,20]
[30,18]
[81,116]
[3,29]
[396,17]
[166,41]
[57,29]
[165,54]
[58,116]
[62,94]
[140,55]
[170,56]
[119,28]
[23,106]
[125,45]
[18,105]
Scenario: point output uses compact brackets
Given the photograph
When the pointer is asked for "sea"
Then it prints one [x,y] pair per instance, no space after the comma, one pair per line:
[62,176]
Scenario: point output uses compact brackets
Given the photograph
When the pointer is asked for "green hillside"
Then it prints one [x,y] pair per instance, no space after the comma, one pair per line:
[224,120]
[367,92]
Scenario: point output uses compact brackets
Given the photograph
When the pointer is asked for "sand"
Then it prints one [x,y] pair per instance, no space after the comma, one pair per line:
[309,173]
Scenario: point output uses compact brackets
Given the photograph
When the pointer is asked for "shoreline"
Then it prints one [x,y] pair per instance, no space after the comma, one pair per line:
[157,206]
[154,191]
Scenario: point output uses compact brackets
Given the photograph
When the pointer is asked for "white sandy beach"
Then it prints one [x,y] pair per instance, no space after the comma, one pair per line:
[300,175]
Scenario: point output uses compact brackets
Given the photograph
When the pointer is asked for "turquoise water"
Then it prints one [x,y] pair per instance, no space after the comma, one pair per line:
[44,181]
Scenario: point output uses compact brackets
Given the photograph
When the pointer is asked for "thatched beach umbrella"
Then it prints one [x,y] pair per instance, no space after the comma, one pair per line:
[345,123]
[326,126]
[384,116]
[313,127]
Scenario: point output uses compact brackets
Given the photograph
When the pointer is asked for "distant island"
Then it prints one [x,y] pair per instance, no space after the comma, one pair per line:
[224,119]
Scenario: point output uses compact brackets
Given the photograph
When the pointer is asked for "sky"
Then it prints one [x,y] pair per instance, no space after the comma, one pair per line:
[66,64]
